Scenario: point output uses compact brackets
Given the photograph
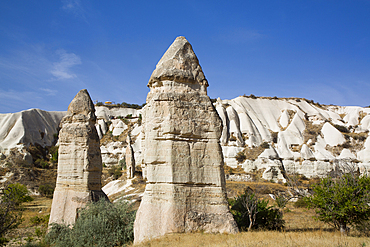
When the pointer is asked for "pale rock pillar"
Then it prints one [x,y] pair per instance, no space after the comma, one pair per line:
[79,161]
[183,159]
[130,158]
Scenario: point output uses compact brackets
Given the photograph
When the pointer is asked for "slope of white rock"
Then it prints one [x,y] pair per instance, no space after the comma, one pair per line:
[298,149]
[332,136]
[247,122]
[29,126]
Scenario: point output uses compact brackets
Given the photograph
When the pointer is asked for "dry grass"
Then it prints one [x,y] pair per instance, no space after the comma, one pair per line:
[253,153]
[230,170]
[41,206]
[361,115]
[264,238]
[301,229]
[311,131]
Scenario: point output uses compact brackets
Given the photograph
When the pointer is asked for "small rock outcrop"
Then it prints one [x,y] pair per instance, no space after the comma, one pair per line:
[182,155]
[79,163]
[130,159]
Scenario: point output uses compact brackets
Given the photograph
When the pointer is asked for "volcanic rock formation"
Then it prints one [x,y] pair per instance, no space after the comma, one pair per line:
[130,159]
[182,155]
[79,164]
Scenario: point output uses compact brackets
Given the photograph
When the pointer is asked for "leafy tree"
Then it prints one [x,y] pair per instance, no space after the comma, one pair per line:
[98,224]
[10,207]
[342,201]
[252,213]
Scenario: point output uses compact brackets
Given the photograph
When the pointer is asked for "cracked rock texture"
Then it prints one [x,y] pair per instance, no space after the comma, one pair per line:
[79,163]
[182,156]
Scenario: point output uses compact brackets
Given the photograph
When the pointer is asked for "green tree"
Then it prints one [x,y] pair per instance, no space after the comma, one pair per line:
[341,201]
[10,207]
[98,224]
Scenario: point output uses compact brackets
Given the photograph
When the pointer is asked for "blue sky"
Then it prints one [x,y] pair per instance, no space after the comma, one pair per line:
[49,50]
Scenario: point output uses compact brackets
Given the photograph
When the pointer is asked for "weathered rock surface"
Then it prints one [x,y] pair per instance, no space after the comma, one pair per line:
[182,156]
[130,159]
[31,126]
[303,134]
[79,164]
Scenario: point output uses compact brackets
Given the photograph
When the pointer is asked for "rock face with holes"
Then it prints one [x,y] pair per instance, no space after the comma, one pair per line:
[79,163]
[182,155]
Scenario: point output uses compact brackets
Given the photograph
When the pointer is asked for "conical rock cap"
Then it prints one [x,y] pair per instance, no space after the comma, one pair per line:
[179,64]
[81,104]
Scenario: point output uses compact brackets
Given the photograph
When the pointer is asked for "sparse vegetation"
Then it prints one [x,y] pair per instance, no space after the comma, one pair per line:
[341,128]
[311,131]
[12,196]
[274,136]
[100,224]
[240,157]
[115,171]
[265,145]
[251,153]
[361,116]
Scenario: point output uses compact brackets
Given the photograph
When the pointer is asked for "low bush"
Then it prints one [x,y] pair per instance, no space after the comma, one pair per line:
[46,190]
[265,145]
[240,157]
[40,220]
[341,128]
[252,213]
[98,224]
[300,203]
[115,171]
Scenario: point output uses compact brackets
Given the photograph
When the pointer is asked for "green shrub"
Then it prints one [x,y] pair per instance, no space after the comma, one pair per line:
[100,224]
[300,203]
[252,213]
[54,154]
[46,190]
[39,220]
[40,163]
[115,171]
[122,163]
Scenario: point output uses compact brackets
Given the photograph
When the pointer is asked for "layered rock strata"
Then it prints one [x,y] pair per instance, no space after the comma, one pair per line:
[182,155]
[79,163]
